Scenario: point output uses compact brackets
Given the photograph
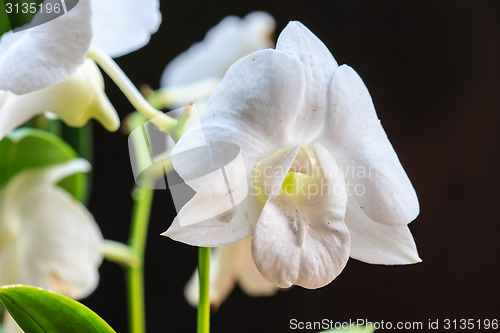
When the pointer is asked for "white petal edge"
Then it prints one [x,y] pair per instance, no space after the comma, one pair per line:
[59,246]
[219,231]
[352,132]
[304,240]
[46,54]
[223,44]
[38,178]
[13,194]
[250,279]
[75,100]
[233,225]
[377,243]
[253,107]
[319,67]
[62,244]
[178,96]
[123,26]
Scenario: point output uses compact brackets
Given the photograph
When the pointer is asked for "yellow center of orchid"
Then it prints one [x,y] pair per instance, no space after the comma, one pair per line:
[297,179]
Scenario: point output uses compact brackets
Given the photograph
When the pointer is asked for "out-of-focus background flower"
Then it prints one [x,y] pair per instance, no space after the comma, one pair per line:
[433,70]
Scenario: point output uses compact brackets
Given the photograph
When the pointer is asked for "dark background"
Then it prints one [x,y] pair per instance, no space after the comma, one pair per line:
[433,71]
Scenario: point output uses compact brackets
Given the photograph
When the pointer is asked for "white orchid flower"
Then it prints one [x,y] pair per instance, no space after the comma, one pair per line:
[324,183]
[47,238]
[229,265]
[53,52]
[189,79]
[194,73]
[75,100]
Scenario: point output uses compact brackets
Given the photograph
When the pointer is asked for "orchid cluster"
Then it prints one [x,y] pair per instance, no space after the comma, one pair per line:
[295,174]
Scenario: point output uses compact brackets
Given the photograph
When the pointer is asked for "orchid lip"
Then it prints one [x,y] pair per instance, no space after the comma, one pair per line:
[303,178]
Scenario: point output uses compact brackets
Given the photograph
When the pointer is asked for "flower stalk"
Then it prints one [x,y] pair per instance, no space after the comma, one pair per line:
[116,74]
[204,299]
[143,199]
[135,274]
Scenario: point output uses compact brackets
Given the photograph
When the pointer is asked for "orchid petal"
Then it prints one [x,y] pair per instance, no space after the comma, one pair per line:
[247,123]
[319,67]
[220,182]
[227,228]
[352,132]
[123,26]
[225,43]
[377,243]
[59,246]
[62,245]
[75,101]
[198,91]
[302,239]
[36,180]
[250,279]
[253,107]
[48,53]
[215,222]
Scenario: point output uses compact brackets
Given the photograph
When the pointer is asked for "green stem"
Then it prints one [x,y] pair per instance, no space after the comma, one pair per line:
[143,199]
[160,119]
[81,139]
[204,300]
[119,253]
[135,275]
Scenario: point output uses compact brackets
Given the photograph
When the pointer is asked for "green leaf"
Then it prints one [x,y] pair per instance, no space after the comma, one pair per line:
[28,148]
[41,311]
[19,14]
[4,19]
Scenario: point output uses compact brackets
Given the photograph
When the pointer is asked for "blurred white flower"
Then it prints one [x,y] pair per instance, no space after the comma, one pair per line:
[188,80]
[194,73]
[75,100]
[53,53]
[324,182]
[47,238]
[229,265]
